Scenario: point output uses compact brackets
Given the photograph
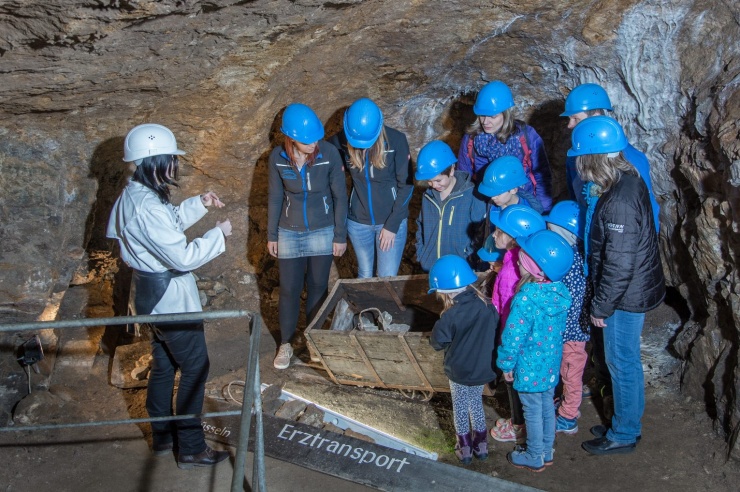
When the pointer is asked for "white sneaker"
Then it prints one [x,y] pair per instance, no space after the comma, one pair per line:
[282,359]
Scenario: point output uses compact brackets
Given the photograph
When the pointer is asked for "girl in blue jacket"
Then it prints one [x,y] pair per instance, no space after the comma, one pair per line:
[466,331]
[532,342]
[496,133]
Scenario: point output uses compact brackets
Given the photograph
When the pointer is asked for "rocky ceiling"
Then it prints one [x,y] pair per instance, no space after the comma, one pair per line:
[75,75]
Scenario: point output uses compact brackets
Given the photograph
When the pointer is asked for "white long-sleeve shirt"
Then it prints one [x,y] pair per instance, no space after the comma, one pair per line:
[151,237]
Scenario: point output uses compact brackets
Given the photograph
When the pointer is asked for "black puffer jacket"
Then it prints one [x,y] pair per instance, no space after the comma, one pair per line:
[624,261]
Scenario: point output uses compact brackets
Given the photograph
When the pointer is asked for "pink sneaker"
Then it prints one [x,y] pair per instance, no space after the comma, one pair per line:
[506,432]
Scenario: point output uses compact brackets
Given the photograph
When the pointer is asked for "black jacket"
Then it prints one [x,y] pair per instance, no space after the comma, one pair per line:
[313,198]
[624,260]
[389,188]
[467,333]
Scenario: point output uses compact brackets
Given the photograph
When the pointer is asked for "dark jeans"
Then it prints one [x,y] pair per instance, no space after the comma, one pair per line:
[603,377]
[178,346]
[515,404]
[294,272]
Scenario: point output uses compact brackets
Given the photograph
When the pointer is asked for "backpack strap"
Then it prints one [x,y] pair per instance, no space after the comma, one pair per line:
[527,160]
[471,156]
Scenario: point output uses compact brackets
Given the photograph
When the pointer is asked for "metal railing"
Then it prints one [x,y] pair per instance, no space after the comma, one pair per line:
[252,395]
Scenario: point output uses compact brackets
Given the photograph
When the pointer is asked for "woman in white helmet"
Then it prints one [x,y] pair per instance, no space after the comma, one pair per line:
[150,232]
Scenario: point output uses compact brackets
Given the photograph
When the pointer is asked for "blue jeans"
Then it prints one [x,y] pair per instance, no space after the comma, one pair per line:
[622,350]
[366,241]
[539,416]
[178,346]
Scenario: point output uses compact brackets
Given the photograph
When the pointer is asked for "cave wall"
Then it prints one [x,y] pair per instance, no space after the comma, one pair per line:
[75,75]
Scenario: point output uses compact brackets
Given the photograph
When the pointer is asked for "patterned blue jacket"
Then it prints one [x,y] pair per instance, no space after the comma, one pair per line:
[578,325]
[532,342]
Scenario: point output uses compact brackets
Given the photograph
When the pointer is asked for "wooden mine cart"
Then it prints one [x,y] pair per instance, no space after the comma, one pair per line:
[354,340]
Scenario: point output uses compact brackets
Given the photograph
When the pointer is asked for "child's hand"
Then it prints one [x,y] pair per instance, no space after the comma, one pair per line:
[509,376]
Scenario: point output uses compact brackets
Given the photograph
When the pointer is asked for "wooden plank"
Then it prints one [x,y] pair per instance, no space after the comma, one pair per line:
[388,358]
[430,361]
[394,295]
[361,351]
[414,363]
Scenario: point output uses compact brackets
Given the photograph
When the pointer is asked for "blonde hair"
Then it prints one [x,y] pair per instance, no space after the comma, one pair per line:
[448,301]
[376,153]
[602,170]
[508,128]
[527,278]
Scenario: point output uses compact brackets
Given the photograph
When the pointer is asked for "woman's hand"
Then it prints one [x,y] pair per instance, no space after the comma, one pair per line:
[387,238]
[339,248]
[210,198]
[598,322]
[272,248]
[225,226]
[509,376]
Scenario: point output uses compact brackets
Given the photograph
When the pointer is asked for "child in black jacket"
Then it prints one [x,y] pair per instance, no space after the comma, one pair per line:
[467,333]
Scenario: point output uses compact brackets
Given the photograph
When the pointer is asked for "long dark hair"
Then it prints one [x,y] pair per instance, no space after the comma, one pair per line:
[157,173]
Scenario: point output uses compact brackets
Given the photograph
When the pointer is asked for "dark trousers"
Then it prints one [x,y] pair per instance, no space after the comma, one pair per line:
[515,404]
[603,377]
[294,272]
[178,346]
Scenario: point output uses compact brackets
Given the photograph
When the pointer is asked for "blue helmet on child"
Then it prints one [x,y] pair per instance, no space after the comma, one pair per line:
[551,252]
[518,221]
[586,97]
[494,98]
[301,124]
[363,122]
[434,157]
[449,273]
[568,215]
[597,135]
[503,174]
[489,255]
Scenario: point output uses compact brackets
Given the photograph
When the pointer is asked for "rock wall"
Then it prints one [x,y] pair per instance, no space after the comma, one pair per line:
[77,74]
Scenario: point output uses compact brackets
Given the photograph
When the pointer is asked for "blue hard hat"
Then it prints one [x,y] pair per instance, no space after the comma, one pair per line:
[503,174]
[518,220]
[450,272]
[551,252]
[434,157]
[490,255]
[597,135]
[568,215]
[363,122]
[494,98]
[301,124]
[586,97]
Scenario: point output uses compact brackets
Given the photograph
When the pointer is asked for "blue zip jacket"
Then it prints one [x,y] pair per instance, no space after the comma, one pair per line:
[467,333]
[540,164]
[634,157]
[310,199]
[532,342]
[451,227]
[380,196]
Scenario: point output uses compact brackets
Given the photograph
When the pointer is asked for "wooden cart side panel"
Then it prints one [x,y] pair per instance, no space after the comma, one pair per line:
[430,361]
[340,357]
[389,359]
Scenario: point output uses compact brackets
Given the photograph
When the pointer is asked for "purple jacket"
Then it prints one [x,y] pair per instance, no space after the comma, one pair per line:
[540,165]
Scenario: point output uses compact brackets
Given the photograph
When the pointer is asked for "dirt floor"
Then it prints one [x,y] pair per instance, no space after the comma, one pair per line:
[679,449]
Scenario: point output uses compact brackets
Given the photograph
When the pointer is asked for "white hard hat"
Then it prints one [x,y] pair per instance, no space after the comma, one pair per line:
[147,140]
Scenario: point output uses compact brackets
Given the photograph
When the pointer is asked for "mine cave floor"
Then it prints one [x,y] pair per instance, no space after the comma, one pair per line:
[679,449]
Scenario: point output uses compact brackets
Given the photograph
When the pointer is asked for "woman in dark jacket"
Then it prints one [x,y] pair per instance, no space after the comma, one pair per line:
[377,157]
[306,217]
[624,265]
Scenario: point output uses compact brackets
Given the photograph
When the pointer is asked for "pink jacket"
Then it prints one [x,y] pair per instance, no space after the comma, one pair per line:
[504,287]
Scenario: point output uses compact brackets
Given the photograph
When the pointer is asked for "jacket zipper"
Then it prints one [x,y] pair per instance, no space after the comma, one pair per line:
[304,174]
[369,188]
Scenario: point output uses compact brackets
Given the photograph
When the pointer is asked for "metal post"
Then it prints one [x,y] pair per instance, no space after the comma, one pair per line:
[258,463]
[237,480]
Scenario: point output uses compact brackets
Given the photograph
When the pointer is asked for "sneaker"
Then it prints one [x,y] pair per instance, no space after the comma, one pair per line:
[566,426]
[504,432]
[548,457]
[521,459]
[282,359]
[586,392]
